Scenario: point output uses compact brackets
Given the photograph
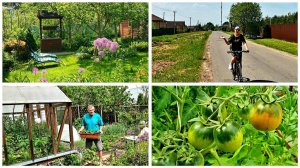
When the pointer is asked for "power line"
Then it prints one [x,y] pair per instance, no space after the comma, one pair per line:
[172,11]
[164,9]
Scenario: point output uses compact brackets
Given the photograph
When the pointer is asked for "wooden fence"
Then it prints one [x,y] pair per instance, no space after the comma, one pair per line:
[288,32]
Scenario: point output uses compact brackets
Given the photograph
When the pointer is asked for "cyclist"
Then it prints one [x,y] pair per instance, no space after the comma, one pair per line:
[236,40]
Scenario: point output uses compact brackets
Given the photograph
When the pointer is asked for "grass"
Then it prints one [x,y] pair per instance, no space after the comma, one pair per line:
[133,69]
[177,58]
[281,45]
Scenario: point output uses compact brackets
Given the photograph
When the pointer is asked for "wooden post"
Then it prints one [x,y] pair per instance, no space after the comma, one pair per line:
[32,112]
[53,129]
[23,112]
[41,29]
[29,120]
[60,27]
[4,145]
[62,125]
[47,115]
[70,126]
[14,113]
[38,109]
[55,120]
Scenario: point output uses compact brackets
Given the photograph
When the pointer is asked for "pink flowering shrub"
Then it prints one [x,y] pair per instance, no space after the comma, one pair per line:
[103,44]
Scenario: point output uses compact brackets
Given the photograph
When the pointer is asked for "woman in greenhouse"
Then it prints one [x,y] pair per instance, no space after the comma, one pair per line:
[92,122]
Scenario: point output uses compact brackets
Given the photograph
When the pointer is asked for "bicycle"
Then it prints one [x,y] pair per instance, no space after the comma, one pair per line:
[237,66]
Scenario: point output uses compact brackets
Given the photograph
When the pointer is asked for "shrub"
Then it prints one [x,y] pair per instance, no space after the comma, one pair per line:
[18,49]
[125,42]
[8,62]
[127,52]
[14,45]
[84,49]
[73,159]
[141,46]
[85,52]
[84,56]
[30,41]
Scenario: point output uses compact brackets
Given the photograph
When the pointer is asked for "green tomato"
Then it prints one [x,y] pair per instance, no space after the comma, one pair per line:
[200,136]
[245,111]
[229,137]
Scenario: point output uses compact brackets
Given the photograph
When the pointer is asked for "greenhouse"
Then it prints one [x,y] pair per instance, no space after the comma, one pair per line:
[36,100]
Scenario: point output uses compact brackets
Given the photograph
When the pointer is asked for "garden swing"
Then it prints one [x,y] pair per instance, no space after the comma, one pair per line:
[50,98]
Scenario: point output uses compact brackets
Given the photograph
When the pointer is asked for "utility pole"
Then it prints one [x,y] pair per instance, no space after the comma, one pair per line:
[174,23]
[221,15]
[190,22]
[164,19]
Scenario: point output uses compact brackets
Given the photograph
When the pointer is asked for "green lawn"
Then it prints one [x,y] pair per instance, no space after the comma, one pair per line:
[133,69]
[281,45]
[177,58]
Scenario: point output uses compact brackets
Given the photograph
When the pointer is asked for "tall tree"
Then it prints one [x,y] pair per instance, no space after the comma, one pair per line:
[247,15]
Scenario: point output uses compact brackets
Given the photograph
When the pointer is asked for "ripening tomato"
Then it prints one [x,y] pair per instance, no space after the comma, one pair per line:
[200,136]
[229,137]
[266,116]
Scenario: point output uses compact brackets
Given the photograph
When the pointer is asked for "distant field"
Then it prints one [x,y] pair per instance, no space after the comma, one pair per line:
[177,58]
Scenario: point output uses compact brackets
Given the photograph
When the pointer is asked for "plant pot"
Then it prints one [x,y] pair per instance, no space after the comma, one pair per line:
[90,135]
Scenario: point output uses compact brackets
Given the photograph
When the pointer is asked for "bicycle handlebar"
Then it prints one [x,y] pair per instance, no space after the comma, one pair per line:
[235,52]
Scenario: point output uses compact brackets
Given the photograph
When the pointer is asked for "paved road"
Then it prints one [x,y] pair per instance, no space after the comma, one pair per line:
[261,63]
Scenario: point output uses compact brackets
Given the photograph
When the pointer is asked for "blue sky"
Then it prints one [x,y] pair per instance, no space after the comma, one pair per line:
[211,12]
[135,90]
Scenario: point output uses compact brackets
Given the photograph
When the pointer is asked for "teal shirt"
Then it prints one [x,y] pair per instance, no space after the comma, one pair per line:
[92,123]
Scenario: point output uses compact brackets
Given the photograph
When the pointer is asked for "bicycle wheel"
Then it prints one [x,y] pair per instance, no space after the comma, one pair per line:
[239,72]
[234,69]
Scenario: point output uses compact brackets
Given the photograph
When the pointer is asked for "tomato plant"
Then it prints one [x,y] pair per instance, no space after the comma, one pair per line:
[224,125]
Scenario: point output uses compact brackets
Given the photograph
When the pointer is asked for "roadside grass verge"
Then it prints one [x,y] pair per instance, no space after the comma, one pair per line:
[281,45]
[177,58]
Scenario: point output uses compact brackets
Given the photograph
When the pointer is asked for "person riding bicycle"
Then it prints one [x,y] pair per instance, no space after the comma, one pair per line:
[236,40]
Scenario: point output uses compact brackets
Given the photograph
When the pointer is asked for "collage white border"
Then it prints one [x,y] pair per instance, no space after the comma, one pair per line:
[149,83]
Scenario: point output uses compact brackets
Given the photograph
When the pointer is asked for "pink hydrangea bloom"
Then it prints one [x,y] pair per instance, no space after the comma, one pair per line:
[114,46]
[35,70]
[80,70]
[97,60]
[101,53]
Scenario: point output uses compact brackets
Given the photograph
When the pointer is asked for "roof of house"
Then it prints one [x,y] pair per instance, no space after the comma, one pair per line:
[178,23]
[156,18]
[33,95]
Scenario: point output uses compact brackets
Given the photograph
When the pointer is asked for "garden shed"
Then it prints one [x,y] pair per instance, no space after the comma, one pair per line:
[35,99]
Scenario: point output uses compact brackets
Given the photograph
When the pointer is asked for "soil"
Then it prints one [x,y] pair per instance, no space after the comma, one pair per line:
[206,74]
[160,66]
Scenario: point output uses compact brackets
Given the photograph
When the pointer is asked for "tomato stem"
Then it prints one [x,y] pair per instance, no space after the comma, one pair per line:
[215,155]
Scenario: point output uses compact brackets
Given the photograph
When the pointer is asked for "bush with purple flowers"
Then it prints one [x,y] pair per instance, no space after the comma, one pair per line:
[104,45]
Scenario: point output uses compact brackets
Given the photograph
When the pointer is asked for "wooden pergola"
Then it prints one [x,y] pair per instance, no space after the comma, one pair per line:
[43,98]
[50,44]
